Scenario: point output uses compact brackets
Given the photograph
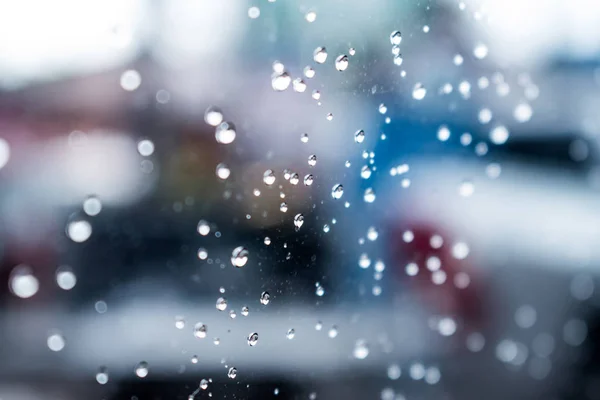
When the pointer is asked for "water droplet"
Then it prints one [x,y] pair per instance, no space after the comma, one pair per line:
[369,195]
[309,72]
[254,12]
[213,116]
[294,179]
[499,135]
[145,147]
[466,189]
[280,81]
[394,372]
[352,51]
[265,298]
[141,370]
[337,191]
[382,108]
[312,160]
[396,38]
[203,227]
[65,278]
[320,290]
[466,139]
[194,359]
[246,311]
[359,136]
[92,206]
[364,261]
[326,228]
[290,334]
[22,282]
[458,59]
[480,51]
[283,207]
[252,339]
[179,322]
[221,304]
[426,28]
[202,253]
[102,376]
[304,138]
[308,179]
[216,341]
[419,92]
[203,384]
[298,221]
[341,62]
[79,230]
[372,234]
[333,332]
[522,112]
[365,172]
[460,250]
[316,94]
[131,80]
[269,177]
[223,171]
[396,50]
[225,133]
[200,330]
[299,85]
[329,116]
[232,373]
[320,55]
[361,350]
[484,116]
[56,342]
[446,326]
[398,60]
[311,16]
[239,256]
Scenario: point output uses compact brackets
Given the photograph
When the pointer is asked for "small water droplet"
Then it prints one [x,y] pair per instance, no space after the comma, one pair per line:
[252,339]
[341,62]
[352,51]
[480,51]
[398,60]
[466,189]
[337,191]
[245,311]
[419,92]
[283,207]
[225,133]
[458,59]
[223,171]
[319,325]
[141,370]
[203,384]
[56,342]
[372,233]
[309,72]
[359,136]
[239,256]
[361,350]
[308,180]
[280,81]
[294,178]
[232,373]
[22,282]
[304,138]
[369,195]
[396,38]
[290,334]
[269,177]
[102,376]
[311,16]
[203,227]
[382,108]
[202,253]
[221,304]
[298,221]
[265,298]
[320,291]
[522,112]
[213,116]
[365,172]
[316,94]
[443,133]
[194,359]
[254,12]
[320,55]
[79,230]
[499,135]
[299,85]
[65,278]
[333,332]
[329,116]
[200,330]
[312,160]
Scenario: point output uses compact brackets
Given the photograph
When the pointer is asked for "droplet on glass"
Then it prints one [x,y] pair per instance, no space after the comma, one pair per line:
[309,72]
[203,384]
[22,282]
[308,180]
[65,278]
[102,376]
[202,253]
[269,177]
[239,256]
[232,373]
[311,16]
[221,304]
[522,112]
[359,136]
[280,81]
[290,334]
[369,195]
[320,55]
[480,51]
[372,233]
[298,221]
[283,207]
[316,94]
[312,160]
[203,227]
[341,62]
[352,51]
[79,230]
[223,171]
[252,339]
[337,191]
[304,138]
[443,133]
[419,92]
[179,322]
[361,350]
[92,206]
[499,135]
[365,172]
[213,116]
[265,298]
[131,80]
[245,311]
[225,133]
[294,178]
[299,85]
[56,342]
[200,330]
[398,60]
[253,12]
[395,38]
[141,370]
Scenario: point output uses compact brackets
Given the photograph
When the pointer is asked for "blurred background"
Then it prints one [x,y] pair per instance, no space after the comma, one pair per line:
[285,199]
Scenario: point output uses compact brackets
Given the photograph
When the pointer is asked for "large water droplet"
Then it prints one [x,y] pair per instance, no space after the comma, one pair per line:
[200,330]
[419,92]
[369,195]
[239,256]
[265,298]
[499,135]
[299,85]
[56,342]
[337,191]
[65,278]
[320,55]
[395,38]
[213,116]
[269,177]
[480,51]
[341,62]
[102,376]
[22,282]
[523,112]
[203,227]
[79,230]
[225,133]
[361,350]
[252,339]
[298,221]
[92,206]
[308,179]
[221,304]
[309,72]
[141,370]
[280,81]
[223,171]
